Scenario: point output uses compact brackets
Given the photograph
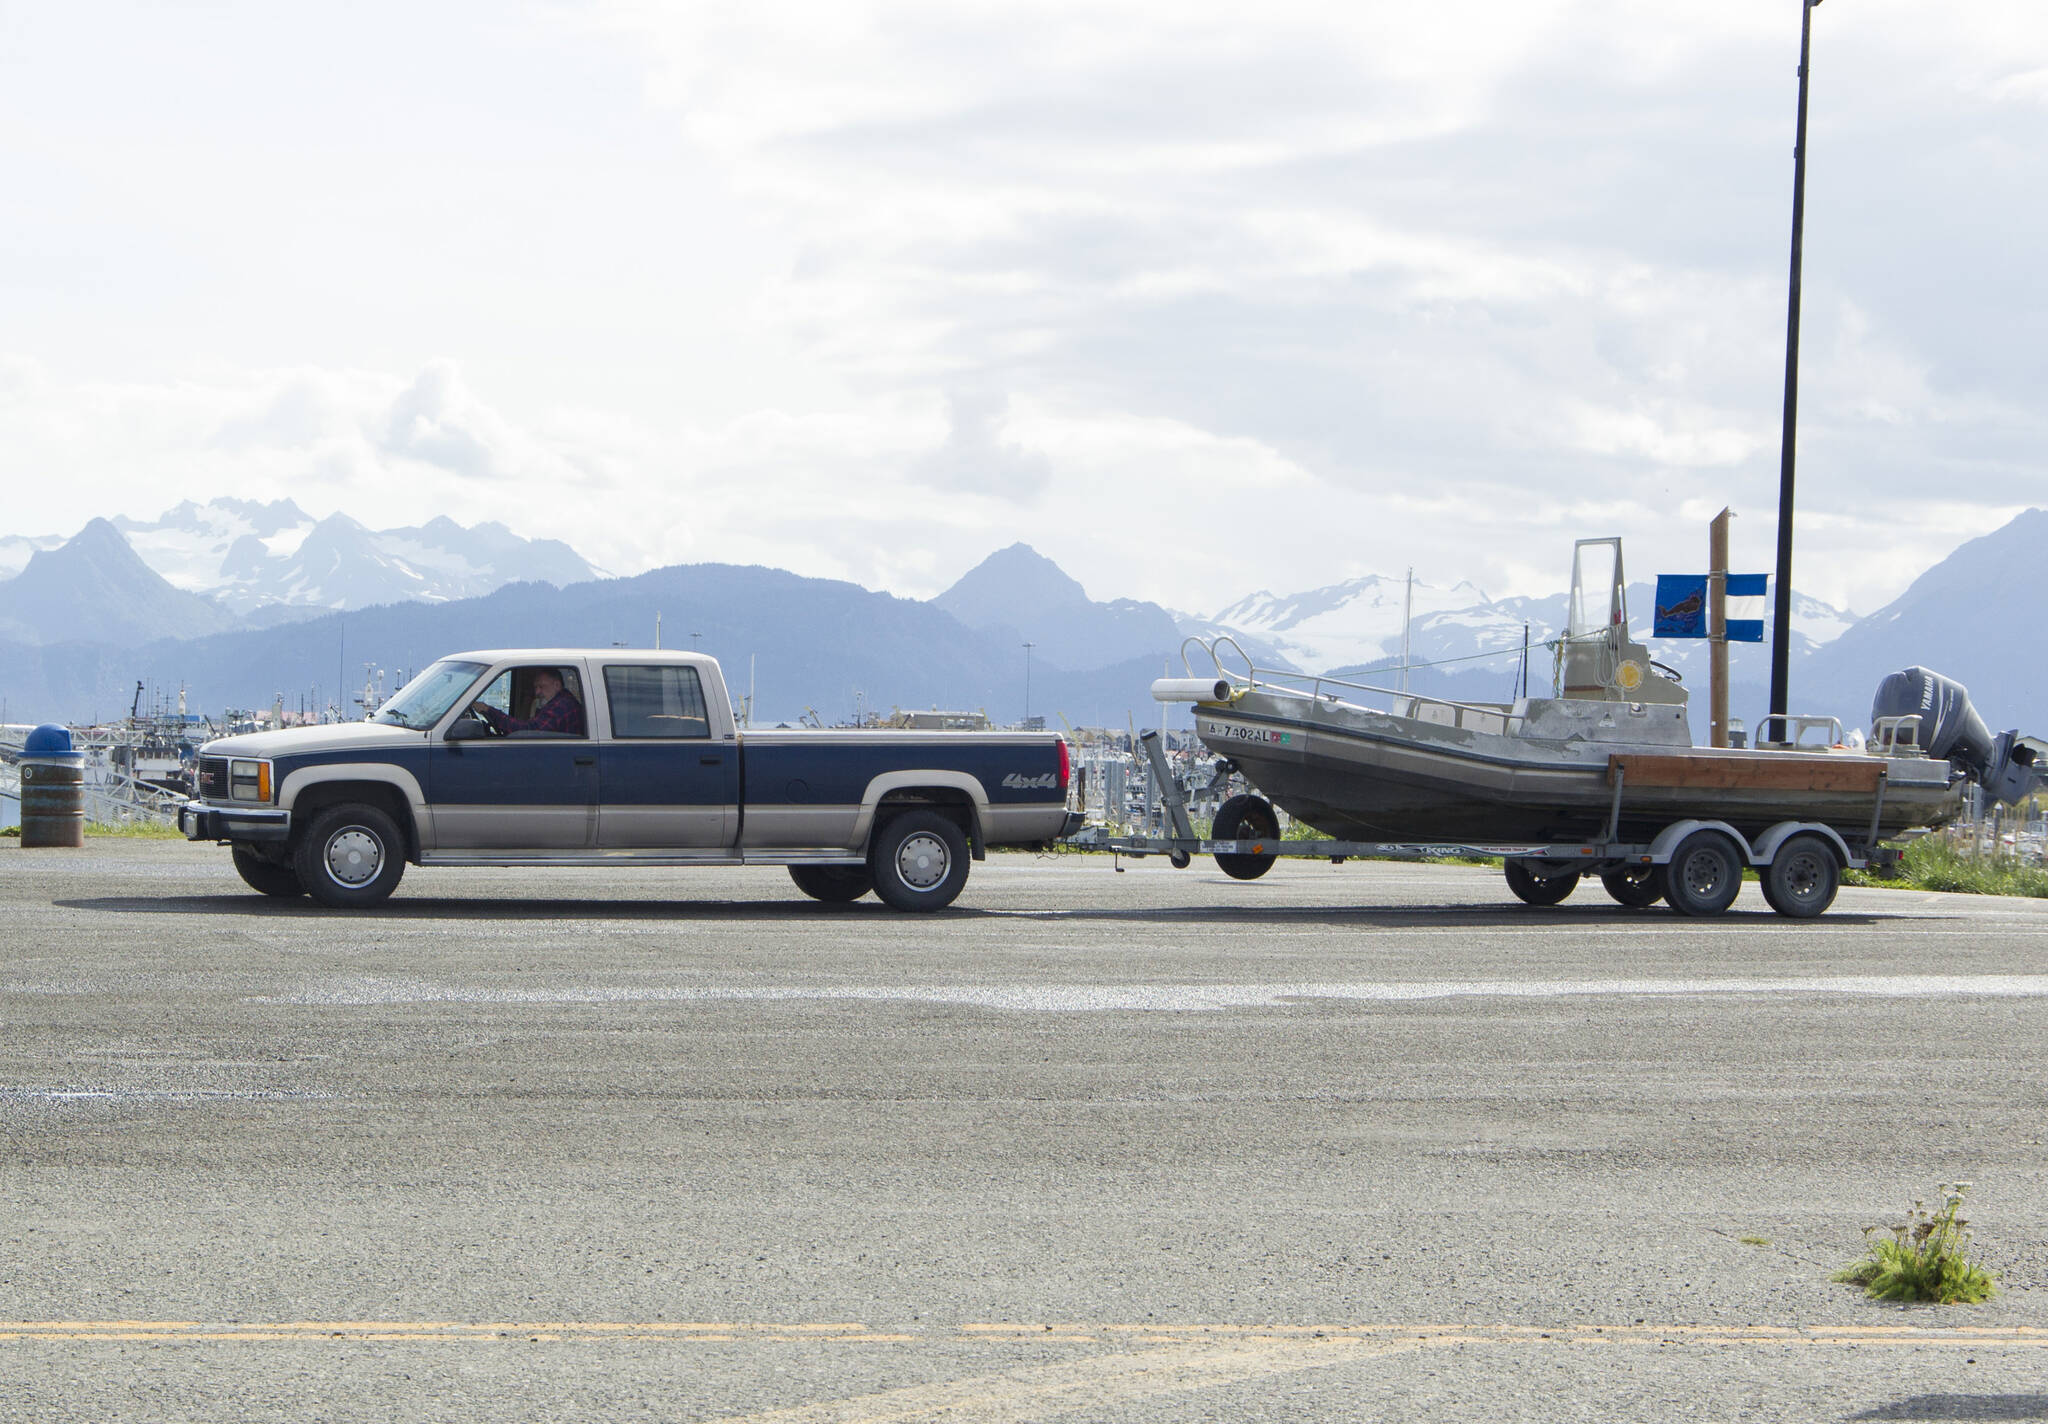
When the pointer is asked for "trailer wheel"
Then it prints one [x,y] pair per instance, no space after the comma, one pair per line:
[1705,874]
[834,884]
[1533,889]
[1802,877]
[350,857]
[1245,818]
[1636,886]
[919,861]
[268,876]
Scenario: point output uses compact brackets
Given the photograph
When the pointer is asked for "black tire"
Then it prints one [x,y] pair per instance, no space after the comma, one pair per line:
[1636,886]
[1803,876]
[1705,874]
[919,861]
[1245,818]
[268,876]
[834,884]
[1533,889]
[350,857]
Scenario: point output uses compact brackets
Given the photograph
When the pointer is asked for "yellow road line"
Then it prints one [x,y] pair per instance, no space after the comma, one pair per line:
[1021,1332]
[438,1330]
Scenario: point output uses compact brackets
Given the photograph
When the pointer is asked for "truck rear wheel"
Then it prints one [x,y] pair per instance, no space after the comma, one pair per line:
[1705,874]
[834,884]
[1245,818]
[919,861]
[1802,877]
[351,857]
[269,876]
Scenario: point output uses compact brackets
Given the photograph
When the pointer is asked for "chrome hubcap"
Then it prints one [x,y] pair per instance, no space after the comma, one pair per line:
[922,860]
[354,857]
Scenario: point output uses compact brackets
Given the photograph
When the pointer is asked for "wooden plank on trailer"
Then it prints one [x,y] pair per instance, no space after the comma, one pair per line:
[1756,772]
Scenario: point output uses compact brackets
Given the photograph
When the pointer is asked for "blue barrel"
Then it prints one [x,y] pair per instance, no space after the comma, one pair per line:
[52,789]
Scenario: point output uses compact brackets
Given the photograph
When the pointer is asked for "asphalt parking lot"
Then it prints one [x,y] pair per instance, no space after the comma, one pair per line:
[1359,1142]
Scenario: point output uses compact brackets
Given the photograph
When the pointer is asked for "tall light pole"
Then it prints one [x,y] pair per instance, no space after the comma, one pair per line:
[1781,619]
[1027,680]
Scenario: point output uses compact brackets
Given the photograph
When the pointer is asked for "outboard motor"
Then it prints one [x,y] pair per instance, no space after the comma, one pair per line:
[1951,729]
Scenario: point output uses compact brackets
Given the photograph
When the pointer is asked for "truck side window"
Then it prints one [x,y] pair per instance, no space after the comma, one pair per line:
[656,702]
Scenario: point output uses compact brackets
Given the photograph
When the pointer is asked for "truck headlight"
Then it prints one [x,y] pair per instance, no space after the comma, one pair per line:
[249,780]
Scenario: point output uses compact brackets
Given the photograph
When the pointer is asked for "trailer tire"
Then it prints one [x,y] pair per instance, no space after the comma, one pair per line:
[1802,878]
[1704,876]
[351,857]
[1533,889]
[1636,886]
[1245,818]
[919,861]
[268,876]
[833,884]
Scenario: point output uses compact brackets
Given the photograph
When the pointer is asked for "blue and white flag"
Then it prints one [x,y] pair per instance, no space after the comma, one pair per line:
[1746,607]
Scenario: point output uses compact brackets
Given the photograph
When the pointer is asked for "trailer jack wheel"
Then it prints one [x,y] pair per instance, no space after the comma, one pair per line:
[1244,818]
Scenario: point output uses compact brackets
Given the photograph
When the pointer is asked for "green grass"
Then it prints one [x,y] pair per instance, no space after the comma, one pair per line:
[135,830]
[1755,1240]
[1926,1257]
[1932,863]
[130,830]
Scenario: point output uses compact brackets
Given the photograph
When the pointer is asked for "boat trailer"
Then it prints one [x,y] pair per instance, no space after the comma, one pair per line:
[1693,864]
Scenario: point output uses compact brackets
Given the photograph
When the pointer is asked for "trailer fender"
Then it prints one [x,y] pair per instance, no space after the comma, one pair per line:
[1667,839]
[1768,843]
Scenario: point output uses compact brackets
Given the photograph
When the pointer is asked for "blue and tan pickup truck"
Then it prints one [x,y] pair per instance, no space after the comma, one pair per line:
[647,767]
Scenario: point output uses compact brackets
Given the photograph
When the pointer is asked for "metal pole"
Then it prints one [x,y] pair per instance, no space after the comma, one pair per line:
[1781,622]
[1027,680]
[1717,629]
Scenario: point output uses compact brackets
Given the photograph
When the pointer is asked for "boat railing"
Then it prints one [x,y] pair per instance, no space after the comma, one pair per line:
[1494,717]
[1794,727]
[1895,736]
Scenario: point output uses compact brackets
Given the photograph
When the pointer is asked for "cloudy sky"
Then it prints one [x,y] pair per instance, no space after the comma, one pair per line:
[1196,298]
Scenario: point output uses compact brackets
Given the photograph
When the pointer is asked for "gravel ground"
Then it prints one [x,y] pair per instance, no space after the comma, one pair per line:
[1357,1142]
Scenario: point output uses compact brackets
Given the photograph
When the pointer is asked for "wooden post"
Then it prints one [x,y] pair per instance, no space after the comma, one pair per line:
[1717,629]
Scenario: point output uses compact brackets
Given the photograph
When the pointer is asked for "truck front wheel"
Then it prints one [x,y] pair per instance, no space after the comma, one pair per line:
[269,876]
[350,857]
[834,884]
[919,861]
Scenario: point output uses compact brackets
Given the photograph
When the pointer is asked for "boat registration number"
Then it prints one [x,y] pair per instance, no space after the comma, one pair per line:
[1263,735]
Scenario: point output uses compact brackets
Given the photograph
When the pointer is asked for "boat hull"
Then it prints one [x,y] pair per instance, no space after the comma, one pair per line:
[1362,775]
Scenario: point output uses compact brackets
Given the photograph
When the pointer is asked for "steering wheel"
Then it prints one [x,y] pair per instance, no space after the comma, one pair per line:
[490,730]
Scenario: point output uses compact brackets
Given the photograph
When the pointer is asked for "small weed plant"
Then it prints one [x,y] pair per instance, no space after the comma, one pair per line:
[1925,1257]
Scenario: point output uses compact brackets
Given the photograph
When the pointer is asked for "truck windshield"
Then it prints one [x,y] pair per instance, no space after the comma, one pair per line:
[423,701]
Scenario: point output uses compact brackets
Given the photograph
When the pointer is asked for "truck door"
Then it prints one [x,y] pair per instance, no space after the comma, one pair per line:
[498,784]
[669,784]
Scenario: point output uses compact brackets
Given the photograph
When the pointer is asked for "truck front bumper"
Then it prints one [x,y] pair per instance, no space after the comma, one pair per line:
[198,821]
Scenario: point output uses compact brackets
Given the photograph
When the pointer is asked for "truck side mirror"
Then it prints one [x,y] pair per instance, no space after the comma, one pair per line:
[467,729]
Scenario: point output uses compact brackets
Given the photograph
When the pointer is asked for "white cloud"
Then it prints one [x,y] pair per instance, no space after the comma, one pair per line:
[867,290]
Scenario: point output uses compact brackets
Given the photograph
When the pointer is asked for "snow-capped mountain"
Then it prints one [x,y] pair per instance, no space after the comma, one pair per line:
[92,588]
[1357,624]
[17,549]
[263,560]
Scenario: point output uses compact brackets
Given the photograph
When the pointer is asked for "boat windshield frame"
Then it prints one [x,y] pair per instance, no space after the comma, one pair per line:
[424,701]
[1578,610]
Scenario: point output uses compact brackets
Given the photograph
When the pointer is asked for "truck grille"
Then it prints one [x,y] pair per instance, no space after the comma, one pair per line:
[213,778]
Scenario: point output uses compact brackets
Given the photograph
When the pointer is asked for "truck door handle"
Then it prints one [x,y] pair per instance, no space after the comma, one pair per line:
[586,761]
[710,759]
